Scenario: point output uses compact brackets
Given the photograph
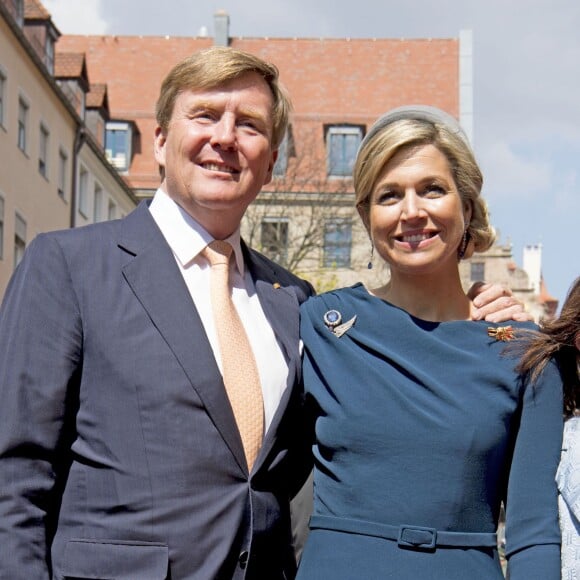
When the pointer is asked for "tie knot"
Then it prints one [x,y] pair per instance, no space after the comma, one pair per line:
[218,252]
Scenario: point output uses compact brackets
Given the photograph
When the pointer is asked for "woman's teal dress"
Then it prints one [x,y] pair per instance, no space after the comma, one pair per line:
[422,429]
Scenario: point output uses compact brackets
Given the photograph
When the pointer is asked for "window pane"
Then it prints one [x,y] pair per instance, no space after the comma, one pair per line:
[274,240]
[282,160]
[22,120]
[343,143]
[477,271]
[62,173]
[43,151]
[337,244]
[19,239]
[98,204]
[83,192]
[112,211]
[118,145]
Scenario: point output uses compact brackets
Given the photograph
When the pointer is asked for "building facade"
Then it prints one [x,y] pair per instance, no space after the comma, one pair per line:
[45,145]
[305,218]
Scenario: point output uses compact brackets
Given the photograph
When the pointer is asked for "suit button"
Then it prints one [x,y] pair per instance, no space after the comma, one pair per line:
[243,559]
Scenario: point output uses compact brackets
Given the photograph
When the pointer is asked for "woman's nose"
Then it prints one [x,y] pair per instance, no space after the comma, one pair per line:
[412,207]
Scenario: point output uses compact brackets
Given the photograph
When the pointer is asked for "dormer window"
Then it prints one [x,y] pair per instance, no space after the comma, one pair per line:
[19,11]
[49,53]
[118,144]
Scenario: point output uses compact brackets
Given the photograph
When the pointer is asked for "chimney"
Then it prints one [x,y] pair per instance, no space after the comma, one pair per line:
[221,28]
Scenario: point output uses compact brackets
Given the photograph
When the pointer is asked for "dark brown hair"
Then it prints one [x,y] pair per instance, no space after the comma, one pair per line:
[557,340]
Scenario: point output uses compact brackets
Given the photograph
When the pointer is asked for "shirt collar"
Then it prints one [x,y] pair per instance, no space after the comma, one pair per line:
[185,236]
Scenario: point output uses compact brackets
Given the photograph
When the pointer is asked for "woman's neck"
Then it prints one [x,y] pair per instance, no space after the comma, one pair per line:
[427,297]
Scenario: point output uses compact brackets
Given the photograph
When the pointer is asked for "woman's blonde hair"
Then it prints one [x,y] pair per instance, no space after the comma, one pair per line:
[410,127]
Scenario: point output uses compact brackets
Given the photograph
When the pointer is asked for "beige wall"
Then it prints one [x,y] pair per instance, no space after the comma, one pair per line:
[306,215]
[24,190]
[113,201]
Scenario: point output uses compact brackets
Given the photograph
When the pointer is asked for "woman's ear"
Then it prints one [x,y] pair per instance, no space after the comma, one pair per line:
[467,212]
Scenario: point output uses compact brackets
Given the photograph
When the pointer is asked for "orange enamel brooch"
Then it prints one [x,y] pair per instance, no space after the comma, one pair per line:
[503,333]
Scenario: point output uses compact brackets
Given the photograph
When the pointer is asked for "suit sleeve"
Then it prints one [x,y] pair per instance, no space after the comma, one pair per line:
[532,530]
[40,358]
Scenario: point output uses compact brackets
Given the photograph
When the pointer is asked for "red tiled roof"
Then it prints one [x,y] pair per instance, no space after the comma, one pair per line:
[97,96]
[330,80]
[34,10]
[69,65]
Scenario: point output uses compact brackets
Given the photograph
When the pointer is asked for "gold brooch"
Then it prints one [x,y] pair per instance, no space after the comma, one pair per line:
[503,333]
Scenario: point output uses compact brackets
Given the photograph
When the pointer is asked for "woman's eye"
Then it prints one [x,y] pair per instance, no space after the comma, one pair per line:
[434,190]
[386,197]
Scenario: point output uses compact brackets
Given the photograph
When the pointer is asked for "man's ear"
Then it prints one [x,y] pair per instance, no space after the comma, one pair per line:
[159,146]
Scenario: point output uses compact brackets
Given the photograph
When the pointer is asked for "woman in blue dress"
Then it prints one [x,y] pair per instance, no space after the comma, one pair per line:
[422,426]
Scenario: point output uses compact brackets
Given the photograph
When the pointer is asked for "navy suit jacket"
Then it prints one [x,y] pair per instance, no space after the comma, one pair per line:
[119,453]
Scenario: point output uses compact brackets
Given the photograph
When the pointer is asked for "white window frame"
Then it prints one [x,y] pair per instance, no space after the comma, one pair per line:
[279,252]
[111,210]
[120,161]
[339,131]
[62,173]
[332,250]
[43,150]
[83,195]
[19,238]
[99,196]
[23,121]
[285,150]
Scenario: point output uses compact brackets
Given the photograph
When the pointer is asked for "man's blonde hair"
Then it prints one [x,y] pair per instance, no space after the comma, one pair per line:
[214,67]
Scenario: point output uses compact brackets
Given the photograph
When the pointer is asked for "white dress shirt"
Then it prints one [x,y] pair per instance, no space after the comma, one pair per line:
[187,239]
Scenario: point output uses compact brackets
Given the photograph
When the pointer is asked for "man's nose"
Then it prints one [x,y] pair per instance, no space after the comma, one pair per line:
[224,133]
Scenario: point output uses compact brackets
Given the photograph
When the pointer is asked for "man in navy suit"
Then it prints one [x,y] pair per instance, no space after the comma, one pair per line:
[119,453]
[120,456]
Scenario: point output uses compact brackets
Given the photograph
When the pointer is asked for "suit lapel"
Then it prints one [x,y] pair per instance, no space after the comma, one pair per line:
[158,284]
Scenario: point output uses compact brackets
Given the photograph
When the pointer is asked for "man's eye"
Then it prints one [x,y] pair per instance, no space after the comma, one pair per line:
[203,115]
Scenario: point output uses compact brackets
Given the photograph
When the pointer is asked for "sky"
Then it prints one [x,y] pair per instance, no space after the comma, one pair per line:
[526,82]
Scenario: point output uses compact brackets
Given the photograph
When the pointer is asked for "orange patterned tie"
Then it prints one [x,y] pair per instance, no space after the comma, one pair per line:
[240,372]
